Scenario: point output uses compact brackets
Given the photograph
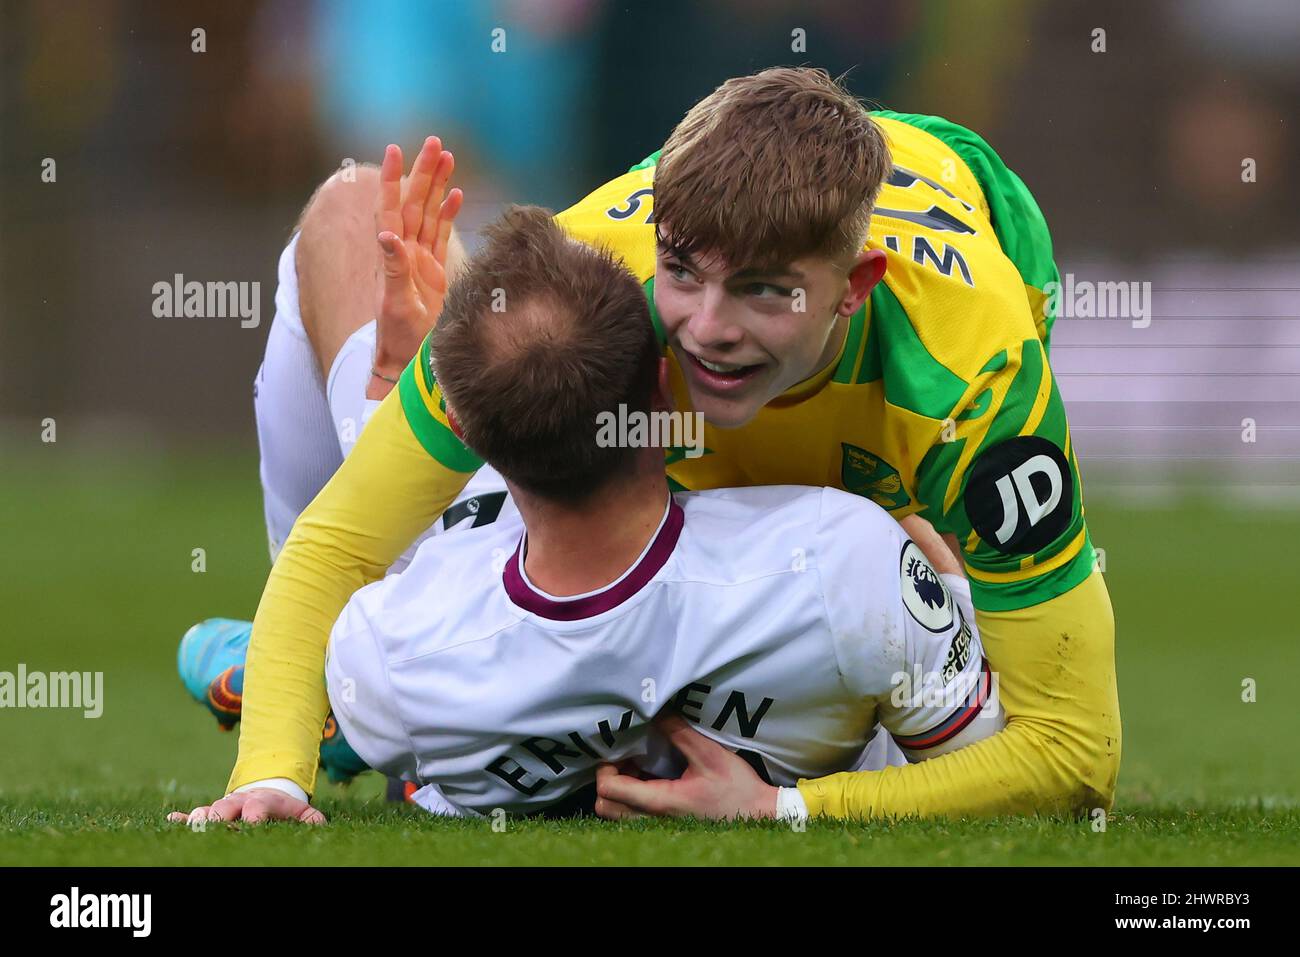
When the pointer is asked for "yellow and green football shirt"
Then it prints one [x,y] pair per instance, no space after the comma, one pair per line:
[941,400]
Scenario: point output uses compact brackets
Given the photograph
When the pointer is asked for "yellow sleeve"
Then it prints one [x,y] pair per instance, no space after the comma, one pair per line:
[389,490]
[1061,746]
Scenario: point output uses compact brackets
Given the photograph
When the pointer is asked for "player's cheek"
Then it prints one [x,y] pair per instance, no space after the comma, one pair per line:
[671,316]
[787,342]
[673,306]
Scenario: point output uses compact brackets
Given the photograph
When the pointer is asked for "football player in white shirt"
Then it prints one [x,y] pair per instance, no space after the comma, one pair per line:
[508,662]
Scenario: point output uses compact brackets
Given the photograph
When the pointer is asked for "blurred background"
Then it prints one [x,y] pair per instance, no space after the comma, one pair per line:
[1161,150]
[173,161]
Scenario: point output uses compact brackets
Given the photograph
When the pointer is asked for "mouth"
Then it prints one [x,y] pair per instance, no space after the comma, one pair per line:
[720,376]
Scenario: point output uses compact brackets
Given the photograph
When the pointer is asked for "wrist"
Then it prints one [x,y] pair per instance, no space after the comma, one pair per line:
[388,368]
[283,785]
[385,373]
[766,806]
[377,389]
[790,805]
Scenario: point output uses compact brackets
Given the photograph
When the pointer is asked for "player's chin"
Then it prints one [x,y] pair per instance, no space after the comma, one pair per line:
[728,413]
[734,408]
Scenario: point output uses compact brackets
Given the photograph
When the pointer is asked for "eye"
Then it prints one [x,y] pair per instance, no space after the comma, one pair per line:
[678,271]
[765,290]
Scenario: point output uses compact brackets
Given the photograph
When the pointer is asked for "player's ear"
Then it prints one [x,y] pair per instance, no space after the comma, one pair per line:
[868,269]
[662,400]
[453,422]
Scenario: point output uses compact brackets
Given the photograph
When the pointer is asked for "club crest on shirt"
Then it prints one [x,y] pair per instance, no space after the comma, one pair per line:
[872,477]
[924,593]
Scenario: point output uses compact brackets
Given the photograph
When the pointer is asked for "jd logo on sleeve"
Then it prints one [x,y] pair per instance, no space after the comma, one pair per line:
[1020,495]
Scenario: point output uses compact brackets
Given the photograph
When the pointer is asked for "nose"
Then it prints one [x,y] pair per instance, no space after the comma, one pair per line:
[709,325]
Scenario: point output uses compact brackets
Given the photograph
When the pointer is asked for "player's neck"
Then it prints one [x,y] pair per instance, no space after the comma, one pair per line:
[572,551]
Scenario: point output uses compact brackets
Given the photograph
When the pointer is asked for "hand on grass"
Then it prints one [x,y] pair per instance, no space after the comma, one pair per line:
[253,807]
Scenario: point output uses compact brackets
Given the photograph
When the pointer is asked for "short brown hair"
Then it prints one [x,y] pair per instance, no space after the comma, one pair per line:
[537,337]
[769,168]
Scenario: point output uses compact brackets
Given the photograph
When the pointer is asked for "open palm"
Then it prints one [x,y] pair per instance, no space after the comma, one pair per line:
[414,231]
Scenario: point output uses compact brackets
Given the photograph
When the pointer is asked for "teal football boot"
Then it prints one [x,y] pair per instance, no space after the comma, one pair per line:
[211,665]
[339,762]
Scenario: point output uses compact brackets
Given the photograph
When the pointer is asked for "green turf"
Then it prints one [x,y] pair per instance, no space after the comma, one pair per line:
[128,831]
[97,577]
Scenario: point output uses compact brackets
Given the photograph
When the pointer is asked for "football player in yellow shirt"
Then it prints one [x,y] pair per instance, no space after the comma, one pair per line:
[850,299]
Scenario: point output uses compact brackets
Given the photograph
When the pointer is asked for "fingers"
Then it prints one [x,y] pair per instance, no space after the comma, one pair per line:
[229,808]
[425,213]
[257,810]
[614,811]
[434,271]
[252,807]
[696,748]
[388,213]
[608,808]
[447,213]
[418,185]
[937,551]
[280,807]
[309,815]
[633,795]
[433,203]
[396,264]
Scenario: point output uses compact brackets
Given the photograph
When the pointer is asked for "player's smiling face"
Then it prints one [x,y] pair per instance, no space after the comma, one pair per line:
[744,336]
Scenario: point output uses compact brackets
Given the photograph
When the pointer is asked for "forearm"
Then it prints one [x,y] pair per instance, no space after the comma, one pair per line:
[386,493]
[284,704]
[1060,750]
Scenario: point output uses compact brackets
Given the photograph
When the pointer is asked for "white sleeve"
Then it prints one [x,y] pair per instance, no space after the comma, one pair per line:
[361,695]
[903,634]
[950,697]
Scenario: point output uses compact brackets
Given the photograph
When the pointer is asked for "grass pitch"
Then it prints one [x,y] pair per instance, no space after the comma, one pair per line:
[99,576]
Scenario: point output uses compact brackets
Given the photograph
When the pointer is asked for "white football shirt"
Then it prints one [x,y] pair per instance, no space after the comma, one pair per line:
[784,621]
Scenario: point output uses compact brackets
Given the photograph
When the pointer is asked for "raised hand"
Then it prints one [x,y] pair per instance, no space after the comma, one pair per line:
[414,233]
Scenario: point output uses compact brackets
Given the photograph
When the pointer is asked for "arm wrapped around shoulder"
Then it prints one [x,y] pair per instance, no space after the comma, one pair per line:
[1060,750]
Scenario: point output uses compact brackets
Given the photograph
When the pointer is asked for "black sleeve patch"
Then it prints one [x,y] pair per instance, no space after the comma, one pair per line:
[485,509]
[1020,495]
